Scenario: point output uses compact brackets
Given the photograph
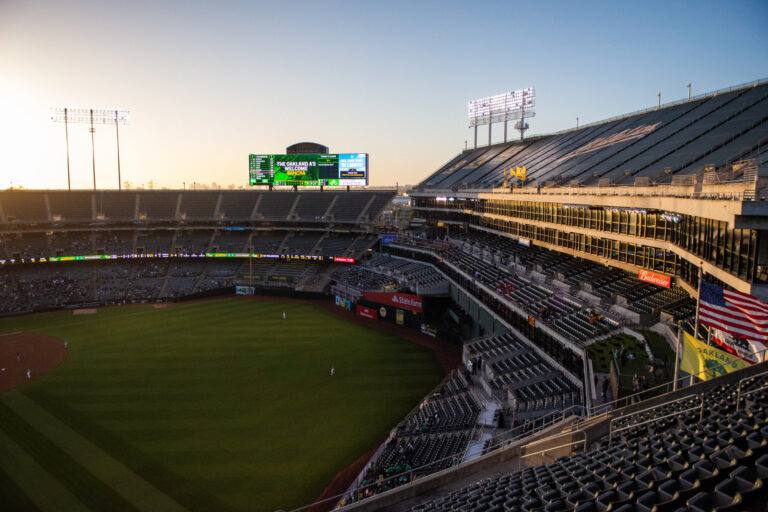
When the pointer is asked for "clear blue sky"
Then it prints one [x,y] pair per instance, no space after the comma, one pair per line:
[210,82]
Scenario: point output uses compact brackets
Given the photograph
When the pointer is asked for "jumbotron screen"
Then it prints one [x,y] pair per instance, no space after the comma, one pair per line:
[343,169]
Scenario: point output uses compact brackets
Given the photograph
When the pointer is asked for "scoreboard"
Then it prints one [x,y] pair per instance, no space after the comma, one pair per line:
[342,169]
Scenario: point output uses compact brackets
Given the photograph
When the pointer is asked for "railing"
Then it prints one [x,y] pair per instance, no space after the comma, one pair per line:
[738,393]
[525,455]
[651,190]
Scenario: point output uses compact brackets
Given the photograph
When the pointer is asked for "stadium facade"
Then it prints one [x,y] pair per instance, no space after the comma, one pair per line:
[669,190]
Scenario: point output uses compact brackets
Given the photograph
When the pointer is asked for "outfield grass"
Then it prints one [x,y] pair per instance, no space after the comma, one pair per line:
[205,406]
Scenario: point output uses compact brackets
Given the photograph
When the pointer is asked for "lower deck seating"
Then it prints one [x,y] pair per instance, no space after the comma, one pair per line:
[670,458]
[432,438]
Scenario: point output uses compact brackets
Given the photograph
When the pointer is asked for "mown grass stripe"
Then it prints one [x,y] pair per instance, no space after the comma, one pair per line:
[189,494]
[77,481]
[26,486]
[140,493]
[228,396]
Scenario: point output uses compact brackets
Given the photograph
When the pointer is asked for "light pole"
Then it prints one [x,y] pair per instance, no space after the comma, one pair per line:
[93,150]
[91,116]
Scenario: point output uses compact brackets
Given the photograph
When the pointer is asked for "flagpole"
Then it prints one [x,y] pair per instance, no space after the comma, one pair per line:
[698,301]
[677,352]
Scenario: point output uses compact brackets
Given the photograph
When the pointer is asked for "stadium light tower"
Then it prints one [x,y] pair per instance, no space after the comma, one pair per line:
[91,116]
[501,109]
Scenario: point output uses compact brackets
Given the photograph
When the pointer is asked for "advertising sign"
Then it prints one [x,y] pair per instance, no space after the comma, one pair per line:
[387,239]
[652,277]
[399,300]
[244,290]
[366,312]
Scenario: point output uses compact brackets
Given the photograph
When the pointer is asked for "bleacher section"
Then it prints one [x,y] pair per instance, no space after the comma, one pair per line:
[230,241]
[412,274]
[334,245]
[158,205]
[714,130]
[562,310]
[192,241]
[348,209]
[276,206]
[302,242]
[67,207]
[514,373]
[705,453]
[362,243]
[363,279]
[313,206]
[563,313]
[116,206]
[74,207]
[433,437]
[25,207]
[199,205]
[237,206]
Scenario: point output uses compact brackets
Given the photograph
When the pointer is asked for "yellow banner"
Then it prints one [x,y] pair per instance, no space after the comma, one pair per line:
[706,362]
[516,172]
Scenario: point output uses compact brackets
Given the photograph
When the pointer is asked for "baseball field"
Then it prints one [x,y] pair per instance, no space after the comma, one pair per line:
[206,406]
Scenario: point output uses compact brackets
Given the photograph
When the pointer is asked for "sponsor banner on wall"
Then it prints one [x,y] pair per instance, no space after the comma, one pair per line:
[367,312]
[399,300]
[343,303]
[400,316]
[430,331]
[654,277]
[387,239]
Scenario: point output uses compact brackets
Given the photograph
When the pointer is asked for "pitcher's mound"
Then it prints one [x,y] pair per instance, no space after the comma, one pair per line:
[20,351]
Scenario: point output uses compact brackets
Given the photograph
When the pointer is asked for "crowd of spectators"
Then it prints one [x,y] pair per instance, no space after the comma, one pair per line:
[34,287]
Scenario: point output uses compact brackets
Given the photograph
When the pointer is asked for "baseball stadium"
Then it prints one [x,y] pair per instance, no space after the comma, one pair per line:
[566,321]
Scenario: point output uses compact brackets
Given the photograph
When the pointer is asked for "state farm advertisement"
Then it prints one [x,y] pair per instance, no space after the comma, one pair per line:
[398,300]
[366,312]
[653,277]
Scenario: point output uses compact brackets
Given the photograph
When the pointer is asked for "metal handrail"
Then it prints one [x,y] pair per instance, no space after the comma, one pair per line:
[583,442]
[738,392]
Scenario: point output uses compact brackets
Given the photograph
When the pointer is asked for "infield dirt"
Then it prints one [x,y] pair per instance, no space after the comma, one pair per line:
[36,352]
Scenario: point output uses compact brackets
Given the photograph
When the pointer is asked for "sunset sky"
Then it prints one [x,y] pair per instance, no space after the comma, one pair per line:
[210,82]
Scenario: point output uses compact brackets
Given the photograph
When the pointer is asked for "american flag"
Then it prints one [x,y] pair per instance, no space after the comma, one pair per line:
[739,314]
